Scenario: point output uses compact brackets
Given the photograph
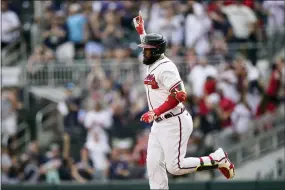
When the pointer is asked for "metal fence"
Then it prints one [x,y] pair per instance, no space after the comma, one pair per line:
[130,69]
[58,74]
[251,146]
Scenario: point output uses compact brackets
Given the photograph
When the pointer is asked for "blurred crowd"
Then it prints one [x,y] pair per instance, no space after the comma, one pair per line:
[95,29]
[225,95]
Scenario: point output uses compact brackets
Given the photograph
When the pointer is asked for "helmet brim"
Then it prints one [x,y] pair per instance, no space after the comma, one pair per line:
[146,46]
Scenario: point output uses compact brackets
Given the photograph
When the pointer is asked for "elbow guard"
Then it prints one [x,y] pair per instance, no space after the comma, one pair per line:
[178,91]
[181,96]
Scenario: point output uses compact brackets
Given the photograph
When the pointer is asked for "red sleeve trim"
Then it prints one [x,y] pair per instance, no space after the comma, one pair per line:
[173,86]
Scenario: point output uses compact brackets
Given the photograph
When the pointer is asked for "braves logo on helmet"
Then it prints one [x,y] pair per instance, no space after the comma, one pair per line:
[150,80]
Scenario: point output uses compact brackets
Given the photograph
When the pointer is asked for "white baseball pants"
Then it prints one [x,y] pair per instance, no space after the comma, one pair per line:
[167,148]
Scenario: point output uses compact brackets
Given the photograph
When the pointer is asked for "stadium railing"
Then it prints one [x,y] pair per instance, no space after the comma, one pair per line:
[256,146]
[44,124]
[58,74]
[13,52]
[23,135]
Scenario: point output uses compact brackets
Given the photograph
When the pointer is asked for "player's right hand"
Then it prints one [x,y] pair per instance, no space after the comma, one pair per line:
[139,24]
[148,117]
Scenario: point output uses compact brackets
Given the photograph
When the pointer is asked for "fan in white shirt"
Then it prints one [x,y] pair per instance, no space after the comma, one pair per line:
[242,19]
[228,83]
[10,25]
[241,117]
[96,121]
[276,14]
[197,26]
[198,75]
[170,26]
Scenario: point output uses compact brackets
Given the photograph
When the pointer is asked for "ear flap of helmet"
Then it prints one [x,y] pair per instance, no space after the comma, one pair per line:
[160,49]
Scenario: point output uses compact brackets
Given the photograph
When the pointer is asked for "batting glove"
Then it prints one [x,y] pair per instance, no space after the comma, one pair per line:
[139,24]
[148,117]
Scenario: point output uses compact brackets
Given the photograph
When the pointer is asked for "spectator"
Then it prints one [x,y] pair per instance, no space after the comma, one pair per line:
[220,21]
[241,69]
[85,165]
[270,100]
[241,117]
[10,25]
[50,168]
[219,49]
[6,163]
[197,26]
[77,27]
[13,170]
[198,76]
[254,88]
[170,26]
[119,169]
[155,13]
[69,109]
[9,116]
[275,11]
[98,118]
[97,121]
[242,19]
[140,149]
[44,21]
[34,154]
[226,109]
[112,35]
[111,94]
[210,85]
[127,13]
[55,35]
[191,58]
[228,82]
[94,48]
[209,116]
[274,24]
[41,55]
[29,171]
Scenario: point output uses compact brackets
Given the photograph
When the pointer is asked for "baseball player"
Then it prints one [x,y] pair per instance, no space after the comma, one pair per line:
[172,124]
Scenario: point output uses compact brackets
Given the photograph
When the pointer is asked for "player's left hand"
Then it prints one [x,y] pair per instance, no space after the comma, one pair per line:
[148,117]
[139,24]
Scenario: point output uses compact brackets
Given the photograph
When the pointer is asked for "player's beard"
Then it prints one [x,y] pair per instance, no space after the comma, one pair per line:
[150,60]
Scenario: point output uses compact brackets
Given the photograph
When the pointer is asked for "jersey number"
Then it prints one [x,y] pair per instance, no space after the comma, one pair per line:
[150,80]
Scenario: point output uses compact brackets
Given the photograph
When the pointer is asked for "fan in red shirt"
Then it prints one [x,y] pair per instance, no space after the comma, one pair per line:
[269,102]
[227,106]
[140,149]
[209,88]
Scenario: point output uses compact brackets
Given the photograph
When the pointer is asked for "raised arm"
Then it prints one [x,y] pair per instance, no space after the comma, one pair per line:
[139,25]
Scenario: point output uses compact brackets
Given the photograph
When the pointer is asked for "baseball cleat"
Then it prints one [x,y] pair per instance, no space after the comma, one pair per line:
[224,164]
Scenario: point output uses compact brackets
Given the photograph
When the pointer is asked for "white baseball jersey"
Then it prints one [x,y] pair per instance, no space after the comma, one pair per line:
[161,77]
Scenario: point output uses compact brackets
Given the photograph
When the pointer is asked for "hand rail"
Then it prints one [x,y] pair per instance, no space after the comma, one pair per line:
[24,140]
[10,46]
[254,145]
[9,56]
[39,117]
